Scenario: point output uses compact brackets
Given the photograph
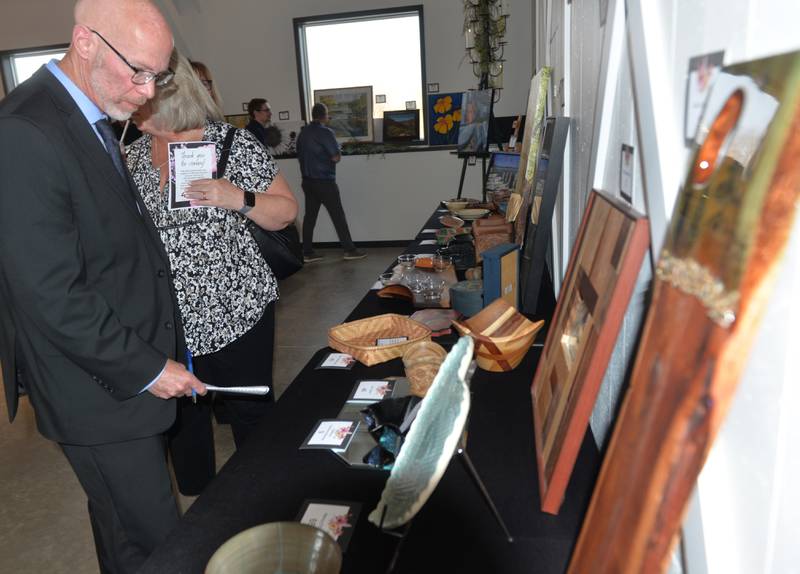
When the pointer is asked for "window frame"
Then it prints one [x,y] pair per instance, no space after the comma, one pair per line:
[341,17]
[7,70]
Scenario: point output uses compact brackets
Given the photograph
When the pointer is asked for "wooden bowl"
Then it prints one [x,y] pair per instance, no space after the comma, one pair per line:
[502,336]
[422,361]
[396,291]
[360,338]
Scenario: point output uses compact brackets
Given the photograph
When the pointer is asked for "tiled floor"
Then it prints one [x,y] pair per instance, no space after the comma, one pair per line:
[44,526]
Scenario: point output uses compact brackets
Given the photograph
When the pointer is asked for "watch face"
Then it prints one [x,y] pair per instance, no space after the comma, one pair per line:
[249,199]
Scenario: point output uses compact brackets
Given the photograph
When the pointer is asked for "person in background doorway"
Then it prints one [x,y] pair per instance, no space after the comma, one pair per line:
[260,119]
[318,153]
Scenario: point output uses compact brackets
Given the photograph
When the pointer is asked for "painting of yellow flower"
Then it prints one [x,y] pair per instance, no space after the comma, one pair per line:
[445,115]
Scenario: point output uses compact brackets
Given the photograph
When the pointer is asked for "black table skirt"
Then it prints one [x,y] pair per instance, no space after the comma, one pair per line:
[269,478]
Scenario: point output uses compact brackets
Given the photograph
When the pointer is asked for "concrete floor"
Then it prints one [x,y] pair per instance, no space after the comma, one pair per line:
[44,525]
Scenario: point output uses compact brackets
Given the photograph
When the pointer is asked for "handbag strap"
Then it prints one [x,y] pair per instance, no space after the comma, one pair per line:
[226,151]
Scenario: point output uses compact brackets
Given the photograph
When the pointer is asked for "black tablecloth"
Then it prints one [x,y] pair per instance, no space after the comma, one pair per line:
[269,478]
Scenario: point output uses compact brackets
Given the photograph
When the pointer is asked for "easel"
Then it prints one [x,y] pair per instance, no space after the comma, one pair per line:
[471,158]
[402,532]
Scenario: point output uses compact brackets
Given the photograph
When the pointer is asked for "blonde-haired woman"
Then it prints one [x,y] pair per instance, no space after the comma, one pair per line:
[225,290]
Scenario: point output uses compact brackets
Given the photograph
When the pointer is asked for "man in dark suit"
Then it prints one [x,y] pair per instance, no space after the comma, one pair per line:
[88,321]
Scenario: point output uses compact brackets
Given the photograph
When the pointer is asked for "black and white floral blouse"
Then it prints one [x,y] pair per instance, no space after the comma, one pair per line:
[221,281]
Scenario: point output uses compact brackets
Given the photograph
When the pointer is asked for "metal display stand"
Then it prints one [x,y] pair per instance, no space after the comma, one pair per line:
[401,533]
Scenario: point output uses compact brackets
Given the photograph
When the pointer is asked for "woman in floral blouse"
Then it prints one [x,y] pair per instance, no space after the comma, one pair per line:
[225,290]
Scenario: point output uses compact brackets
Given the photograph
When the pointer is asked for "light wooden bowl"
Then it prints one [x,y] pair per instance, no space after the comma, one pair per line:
[359,338]
[422,361]
[502,336]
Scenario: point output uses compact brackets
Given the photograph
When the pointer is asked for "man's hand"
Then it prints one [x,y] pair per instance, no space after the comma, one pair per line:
[176,381]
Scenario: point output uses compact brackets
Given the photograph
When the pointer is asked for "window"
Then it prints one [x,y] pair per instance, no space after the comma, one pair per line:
[383,49]
[20,65]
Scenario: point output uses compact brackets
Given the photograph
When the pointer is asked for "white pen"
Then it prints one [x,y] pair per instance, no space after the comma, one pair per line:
[240,390]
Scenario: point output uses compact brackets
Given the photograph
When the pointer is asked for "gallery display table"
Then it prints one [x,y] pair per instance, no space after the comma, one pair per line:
[270,478]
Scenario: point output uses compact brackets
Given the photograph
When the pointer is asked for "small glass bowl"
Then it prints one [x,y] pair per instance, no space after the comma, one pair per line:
[442,262]
[386,278]
[407,260]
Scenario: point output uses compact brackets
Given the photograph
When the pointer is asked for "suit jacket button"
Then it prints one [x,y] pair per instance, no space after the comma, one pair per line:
[168,325]
[161,273]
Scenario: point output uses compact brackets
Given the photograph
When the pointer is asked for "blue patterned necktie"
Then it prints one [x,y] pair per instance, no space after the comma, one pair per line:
[112,146]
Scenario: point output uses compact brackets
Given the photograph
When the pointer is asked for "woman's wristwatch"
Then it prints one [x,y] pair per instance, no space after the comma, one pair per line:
[249,202]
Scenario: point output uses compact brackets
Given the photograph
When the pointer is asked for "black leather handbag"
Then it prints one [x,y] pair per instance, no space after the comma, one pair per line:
[280,249]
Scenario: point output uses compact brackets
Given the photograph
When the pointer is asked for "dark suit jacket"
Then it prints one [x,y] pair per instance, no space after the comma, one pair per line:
[87,313]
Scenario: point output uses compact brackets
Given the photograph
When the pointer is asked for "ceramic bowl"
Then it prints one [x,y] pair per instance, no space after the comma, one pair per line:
[278,547]
[472,214]
[456,204]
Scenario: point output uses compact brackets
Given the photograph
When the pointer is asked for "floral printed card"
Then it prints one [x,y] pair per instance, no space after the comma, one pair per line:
[331,434]
[371,391]
[189,161]
[337,518]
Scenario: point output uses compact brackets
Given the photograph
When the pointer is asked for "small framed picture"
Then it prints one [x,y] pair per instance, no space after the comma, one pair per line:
[284,115]
[244,106]
[380,98]
[411,105]
[433,88]
[626,173]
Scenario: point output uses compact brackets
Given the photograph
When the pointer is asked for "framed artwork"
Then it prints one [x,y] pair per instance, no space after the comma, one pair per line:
[350,112]
[444,118]
[400,126]
[529,154]
[714,277]
[543,200]
[473,131]
[601,275]
[700,77]
[238,120]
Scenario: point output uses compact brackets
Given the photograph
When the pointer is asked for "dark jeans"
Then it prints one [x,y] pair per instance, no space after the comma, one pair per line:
[247,361]
[324,192]
[131,506]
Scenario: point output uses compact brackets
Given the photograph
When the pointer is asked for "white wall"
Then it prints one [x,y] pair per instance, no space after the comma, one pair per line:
[388,197]
[249,46]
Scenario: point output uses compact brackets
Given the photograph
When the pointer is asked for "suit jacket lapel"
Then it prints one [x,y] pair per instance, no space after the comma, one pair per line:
[86,140]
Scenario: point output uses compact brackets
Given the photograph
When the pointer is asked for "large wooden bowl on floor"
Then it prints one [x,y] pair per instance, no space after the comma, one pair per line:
[360,338]
[278,547]
[502,336]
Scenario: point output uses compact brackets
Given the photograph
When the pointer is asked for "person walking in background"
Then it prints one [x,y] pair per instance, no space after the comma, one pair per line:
[318,153]
[89,325]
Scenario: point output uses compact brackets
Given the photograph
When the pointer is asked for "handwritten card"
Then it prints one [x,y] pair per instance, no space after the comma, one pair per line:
[189,161]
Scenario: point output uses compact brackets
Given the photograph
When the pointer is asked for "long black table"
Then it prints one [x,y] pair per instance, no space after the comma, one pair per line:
[269,478]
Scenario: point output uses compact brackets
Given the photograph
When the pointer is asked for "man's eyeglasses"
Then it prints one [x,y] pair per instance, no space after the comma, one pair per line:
[265,110]
[140,77]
